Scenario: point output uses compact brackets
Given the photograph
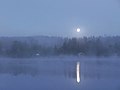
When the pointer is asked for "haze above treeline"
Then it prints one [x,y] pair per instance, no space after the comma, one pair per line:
[37,46]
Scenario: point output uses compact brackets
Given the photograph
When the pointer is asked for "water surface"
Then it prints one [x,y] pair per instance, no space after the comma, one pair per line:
[59,74]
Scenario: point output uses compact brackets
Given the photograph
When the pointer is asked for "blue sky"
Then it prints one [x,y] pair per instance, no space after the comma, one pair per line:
[59,17]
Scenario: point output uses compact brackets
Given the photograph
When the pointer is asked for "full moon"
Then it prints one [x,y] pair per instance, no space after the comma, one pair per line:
[78,30]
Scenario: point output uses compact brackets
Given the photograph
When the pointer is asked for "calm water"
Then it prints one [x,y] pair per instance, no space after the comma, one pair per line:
[59,74]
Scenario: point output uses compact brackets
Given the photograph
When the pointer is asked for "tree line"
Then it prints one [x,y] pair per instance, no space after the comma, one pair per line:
[86,46]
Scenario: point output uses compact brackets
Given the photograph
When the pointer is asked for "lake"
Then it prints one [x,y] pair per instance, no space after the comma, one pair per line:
[60,73]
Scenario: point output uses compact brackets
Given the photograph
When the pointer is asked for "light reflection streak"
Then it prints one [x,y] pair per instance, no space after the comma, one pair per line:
[78,72]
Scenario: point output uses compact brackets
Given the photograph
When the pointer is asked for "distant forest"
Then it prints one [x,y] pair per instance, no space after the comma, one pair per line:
[86,46]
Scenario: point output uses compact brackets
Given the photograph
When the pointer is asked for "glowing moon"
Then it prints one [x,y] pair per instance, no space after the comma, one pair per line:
[78,30]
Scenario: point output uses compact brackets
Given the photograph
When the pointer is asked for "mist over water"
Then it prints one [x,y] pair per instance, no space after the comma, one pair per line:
[60,73]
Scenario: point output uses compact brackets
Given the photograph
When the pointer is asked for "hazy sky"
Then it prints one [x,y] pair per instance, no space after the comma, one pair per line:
[59,17]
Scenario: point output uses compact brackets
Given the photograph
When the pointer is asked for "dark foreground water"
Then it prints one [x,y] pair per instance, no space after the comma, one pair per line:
[60,74]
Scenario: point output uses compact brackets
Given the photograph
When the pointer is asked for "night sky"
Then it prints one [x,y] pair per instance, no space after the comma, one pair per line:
[59,17]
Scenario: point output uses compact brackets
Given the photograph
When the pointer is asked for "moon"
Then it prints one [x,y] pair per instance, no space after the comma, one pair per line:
[78,30]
